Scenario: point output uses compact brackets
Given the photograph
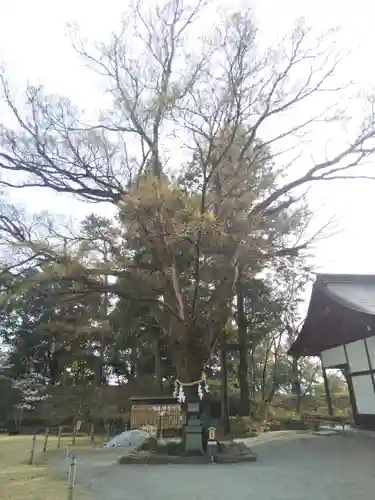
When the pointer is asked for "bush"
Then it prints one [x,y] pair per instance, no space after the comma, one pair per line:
[9,397]
[241,426]
[342,412]
[281,414]
[150,444]
[174,448]
[293,424]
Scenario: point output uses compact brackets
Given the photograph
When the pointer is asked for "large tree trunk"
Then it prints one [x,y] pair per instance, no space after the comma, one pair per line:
[296,384]
[104,309]
[158,365]
[252,381]
[224,386]
[242,347]
[189,363]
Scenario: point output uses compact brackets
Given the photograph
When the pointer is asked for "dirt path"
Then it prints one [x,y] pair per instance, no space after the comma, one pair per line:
[290,466]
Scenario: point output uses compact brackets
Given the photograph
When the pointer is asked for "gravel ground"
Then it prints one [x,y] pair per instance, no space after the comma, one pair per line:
[290,466]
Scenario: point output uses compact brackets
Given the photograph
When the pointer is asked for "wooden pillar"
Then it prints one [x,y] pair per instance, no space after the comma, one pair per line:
[328,393]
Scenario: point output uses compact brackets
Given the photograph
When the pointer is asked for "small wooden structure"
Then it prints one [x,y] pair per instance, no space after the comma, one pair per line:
[161,412]
[340,328]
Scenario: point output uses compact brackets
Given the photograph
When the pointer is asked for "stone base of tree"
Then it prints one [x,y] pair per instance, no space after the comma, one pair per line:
[227,453]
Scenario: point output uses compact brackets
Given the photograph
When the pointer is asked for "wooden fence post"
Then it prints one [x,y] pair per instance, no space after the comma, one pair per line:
[72,476]
[45,440]
[32,450]
[59,437]
[68,456]
[74,434]
[107,427]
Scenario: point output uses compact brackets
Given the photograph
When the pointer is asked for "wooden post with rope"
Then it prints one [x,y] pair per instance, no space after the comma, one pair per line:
[72,476]
[32,451]
[74,433]
[59,437]
[92,432]
[46,434]
[68,456]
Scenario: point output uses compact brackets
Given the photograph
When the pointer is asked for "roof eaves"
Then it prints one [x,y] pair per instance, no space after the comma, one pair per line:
[321,285]
[347,278]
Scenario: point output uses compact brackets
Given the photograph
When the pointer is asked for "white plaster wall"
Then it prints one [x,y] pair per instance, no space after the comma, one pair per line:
[371,349]
[364,394]
[357,356]
[333,357]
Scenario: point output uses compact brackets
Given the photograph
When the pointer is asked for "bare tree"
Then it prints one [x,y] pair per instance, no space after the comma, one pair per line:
[171,85]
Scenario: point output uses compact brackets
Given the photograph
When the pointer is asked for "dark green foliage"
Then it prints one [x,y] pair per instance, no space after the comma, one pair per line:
[150,444]
[48,328]
[173,448]
[9,398]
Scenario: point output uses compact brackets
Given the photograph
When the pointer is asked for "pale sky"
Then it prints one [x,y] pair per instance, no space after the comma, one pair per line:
[34,44]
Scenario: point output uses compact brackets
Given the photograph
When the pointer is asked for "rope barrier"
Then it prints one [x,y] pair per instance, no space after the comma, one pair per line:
[179,387]
[191,384]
